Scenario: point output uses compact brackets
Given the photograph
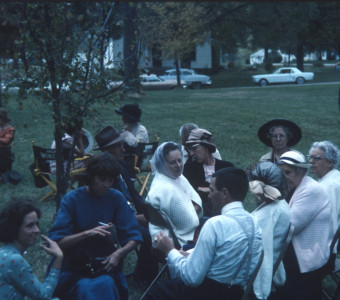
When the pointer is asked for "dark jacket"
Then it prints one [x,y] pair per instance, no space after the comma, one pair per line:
[194,172]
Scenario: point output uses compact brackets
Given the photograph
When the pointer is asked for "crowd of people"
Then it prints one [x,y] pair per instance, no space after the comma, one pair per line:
[200,196]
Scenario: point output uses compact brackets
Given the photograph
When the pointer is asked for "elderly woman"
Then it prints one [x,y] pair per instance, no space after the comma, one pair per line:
[91,224]
[324,157]
[19,229]
[6,137]
[279,134]
[307,256]
[172,194]
[199,171]
[273,217]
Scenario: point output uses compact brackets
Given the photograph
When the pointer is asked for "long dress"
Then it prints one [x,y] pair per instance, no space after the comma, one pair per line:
[79,211]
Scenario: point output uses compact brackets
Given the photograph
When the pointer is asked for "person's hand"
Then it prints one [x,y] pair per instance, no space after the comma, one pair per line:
[51,247]
[102,231]
[112,261]
[163,243]
[203,189]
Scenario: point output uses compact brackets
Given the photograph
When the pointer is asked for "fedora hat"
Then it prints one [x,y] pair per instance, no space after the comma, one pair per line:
[201,136]
[107,137]
[294,158]
[130,111]
[264,134]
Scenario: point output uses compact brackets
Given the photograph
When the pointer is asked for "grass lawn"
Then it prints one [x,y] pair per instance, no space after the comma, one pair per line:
[233,115]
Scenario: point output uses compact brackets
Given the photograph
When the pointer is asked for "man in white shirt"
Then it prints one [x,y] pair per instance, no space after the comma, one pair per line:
[227,251]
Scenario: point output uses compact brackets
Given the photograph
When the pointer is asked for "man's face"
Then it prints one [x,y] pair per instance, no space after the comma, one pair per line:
[216,197]
[320,166]
[116,150]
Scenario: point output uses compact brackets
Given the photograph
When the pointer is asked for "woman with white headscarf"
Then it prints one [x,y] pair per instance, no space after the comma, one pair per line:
[172,195]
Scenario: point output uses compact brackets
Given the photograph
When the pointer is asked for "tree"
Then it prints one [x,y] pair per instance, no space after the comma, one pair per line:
[60,47]
[177,27]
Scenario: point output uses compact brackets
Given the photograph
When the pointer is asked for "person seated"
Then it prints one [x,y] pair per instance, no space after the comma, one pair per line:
[96,230]
[227,251]
[273,217]
[19,229]
[307,256]
[280,135]
[6,137]
[324,157]
[111,141]
[67,141]
[135,132]
[172,194]
[184,132]
[199,171]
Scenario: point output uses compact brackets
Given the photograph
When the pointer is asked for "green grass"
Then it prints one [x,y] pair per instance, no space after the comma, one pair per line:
[233,115]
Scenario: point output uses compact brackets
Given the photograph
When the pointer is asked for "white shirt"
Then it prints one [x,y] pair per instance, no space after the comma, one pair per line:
[220,248]
[274,220]
[331,183]
[137,133]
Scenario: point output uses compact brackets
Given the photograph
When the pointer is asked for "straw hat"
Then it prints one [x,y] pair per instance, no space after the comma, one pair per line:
[294,158]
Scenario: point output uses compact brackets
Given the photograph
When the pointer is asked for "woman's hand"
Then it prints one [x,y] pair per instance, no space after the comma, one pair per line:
[112,261]
[102,231]
[51,247]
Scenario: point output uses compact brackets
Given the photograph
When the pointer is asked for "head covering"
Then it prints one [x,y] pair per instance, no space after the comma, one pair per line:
[264,134]
[293,158]
[266,181]
[130,111]
[107,137]
[158,161]
[201,136]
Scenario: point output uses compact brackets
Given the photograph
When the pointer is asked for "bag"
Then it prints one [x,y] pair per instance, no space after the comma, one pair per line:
[89,266]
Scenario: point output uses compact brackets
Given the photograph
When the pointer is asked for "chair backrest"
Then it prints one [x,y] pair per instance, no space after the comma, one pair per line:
[284,248]
[43,154]
[250,283]
[154,217]
[144,152]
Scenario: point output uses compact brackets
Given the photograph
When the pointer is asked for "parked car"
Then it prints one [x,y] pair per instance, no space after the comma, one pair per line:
[153,81]
[283,75]
[337,67]
[191,78]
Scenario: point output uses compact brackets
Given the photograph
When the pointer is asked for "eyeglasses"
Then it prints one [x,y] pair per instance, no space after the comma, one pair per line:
[192,147]
[315,158]
[276,136]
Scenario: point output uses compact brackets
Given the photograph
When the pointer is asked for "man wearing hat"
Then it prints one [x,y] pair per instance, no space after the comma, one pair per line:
[199,171]
[279,134]
[135,132]
[111,141]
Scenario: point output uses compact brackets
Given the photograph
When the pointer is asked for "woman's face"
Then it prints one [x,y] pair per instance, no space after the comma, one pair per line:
[199,153]
[101,185]
[320,165]
[174,162]
[279,138]
[28,231]
[293,178]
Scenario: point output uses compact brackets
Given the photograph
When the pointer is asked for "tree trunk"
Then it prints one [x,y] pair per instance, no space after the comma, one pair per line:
[177,72]
[299,56]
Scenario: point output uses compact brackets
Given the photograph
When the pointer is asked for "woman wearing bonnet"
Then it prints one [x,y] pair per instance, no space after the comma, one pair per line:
[172,194]
[273,217]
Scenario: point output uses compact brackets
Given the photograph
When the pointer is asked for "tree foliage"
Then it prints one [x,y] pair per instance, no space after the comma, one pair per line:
[61,49]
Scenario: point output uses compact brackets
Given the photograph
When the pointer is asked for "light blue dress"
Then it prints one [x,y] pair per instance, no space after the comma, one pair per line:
[17,279]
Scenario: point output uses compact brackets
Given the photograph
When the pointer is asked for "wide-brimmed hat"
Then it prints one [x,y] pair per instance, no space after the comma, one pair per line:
[12,177]
[201,136]
[107,137]
[130,111]
[294,158]
[264,134]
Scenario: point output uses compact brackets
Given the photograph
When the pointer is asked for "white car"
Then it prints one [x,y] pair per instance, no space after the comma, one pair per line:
[283,75]
[154,82]
[191,78]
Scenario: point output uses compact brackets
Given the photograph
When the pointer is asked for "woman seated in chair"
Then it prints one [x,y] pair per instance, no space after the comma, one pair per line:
[91,223]
[172,194]
[6,137]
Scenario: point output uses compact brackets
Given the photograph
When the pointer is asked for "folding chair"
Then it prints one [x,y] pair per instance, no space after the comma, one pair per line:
[249,286]
[155,218]
[142,167]
[334,273]
[42,156]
